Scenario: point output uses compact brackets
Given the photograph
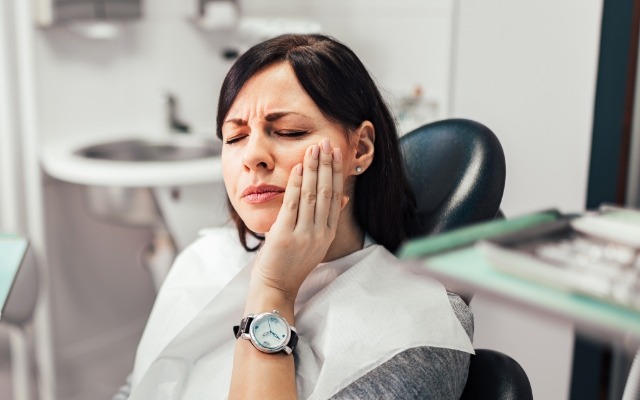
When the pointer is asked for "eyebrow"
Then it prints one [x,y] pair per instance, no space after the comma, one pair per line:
[271,117]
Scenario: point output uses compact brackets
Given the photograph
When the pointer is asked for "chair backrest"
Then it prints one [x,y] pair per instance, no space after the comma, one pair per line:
[495,375]
[456,168]
[457,171]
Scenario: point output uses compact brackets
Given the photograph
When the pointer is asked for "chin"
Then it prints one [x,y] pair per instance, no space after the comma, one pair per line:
[259,222]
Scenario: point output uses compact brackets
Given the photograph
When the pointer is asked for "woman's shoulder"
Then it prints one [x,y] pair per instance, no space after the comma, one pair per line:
[419,372]
[460,308]
[416,373]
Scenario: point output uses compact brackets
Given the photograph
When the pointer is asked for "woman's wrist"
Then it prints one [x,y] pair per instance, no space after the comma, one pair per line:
[263,298]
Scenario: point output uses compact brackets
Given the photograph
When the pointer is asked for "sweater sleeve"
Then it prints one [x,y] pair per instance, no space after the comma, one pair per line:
[419,372]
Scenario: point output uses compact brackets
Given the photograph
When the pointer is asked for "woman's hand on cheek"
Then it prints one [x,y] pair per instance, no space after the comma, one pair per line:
[306,224]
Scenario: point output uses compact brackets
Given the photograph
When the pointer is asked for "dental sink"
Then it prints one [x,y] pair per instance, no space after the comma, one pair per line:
[137,150]
[134,160]
[128,178]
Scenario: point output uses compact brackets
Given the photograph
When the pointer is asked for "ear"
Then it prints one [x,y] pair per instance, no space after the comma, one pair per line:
[365,136]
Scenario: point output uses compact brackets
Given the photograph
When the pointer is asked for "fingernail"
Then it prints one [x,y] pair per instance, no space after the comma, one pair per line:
[337,155]
[326,146]
[315,151]
[299,169]
[345,201]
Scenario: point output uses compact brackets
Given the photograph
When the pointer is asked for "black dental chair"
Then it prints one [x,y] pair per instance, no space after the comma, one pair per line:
[456,168]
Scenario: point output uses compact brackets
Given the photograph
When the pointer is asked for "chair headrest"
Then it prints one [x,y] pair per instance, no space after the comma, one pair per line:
[456,168]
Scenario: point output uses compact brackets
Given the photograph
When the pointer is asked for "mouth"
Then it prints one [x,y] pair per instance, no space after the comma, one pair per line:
[261,193]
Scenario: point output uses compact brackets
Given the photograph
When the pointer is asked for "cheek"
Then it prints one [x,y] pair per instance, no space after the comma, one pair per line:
[230,172]
[289,158]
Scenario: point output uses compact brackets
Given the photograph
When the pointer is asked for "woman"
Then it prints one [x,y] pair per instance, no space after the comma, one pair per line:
[315,182]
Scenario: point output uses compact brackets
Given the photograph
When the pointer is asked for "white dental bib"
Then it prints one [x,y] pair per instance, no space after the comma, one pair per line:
[351,314]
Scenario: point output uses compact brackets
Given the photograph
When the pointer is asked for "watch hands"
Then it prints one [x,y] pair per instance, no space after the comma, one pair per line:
[269,322]
[271,330]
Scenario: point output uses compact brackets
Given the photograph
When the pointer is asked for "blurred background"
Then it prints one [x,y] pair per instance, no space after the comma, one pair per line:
[74,74]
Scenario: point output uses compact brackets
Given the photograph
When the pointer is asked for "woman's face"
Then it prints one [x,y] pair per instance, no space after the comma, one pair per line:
[266,132]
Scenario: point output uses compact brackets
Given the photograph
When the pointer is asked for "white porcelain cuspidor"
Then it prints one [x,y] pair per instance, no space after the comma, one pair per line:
[134,160]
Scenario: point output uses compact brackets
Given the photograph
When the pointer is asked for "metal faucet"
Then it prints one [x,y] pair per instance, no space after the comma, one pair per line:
[174,123]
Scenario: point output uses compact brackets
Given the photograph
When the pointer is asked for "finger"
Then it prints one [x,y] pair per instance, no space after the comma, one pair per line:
[337,200]
[345,201]
[325,183]
[308,192]
[288,214]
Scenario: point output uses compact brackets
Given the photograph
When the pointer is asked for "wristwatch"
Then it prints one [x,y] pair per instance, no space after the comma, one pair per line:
[269,332]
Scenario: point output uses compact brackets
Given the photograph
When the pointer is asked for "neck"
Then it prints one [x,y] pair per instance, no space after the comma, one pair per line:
[349,237]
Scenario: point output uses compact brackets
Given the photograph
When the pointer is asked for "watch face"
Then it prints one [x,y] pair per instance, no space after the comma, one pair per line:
[270,332]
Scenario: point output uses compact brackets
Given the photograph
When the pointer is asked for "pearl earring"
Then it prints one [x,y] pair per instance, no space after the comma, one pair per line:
[358,169]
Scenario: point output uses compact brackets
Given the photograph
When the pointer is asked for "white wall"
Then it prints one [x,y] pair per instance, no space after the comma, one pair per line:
[528,71]
[404,43]
[91,87]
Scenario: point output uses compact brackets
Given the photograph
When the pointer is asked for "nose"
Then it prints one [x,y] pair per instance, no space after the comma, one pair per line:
[258,153]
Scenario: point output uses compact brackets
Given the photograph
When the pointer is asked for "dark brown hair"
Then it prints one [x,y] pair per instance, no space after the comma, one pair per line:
[341,87]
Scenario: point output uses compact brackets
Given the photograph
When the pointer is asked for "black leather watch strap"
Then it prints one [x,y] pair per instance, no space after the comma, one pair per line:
[243,327]
[293,341]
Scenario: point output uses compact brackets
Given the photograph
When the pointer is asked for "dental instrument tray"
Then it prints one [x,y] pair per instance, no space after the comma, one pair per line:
[596,255]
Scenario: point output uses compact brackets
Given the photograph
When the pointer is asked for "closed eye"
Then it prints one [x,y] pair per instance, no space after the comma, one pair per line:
[291,134]
[234,139]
